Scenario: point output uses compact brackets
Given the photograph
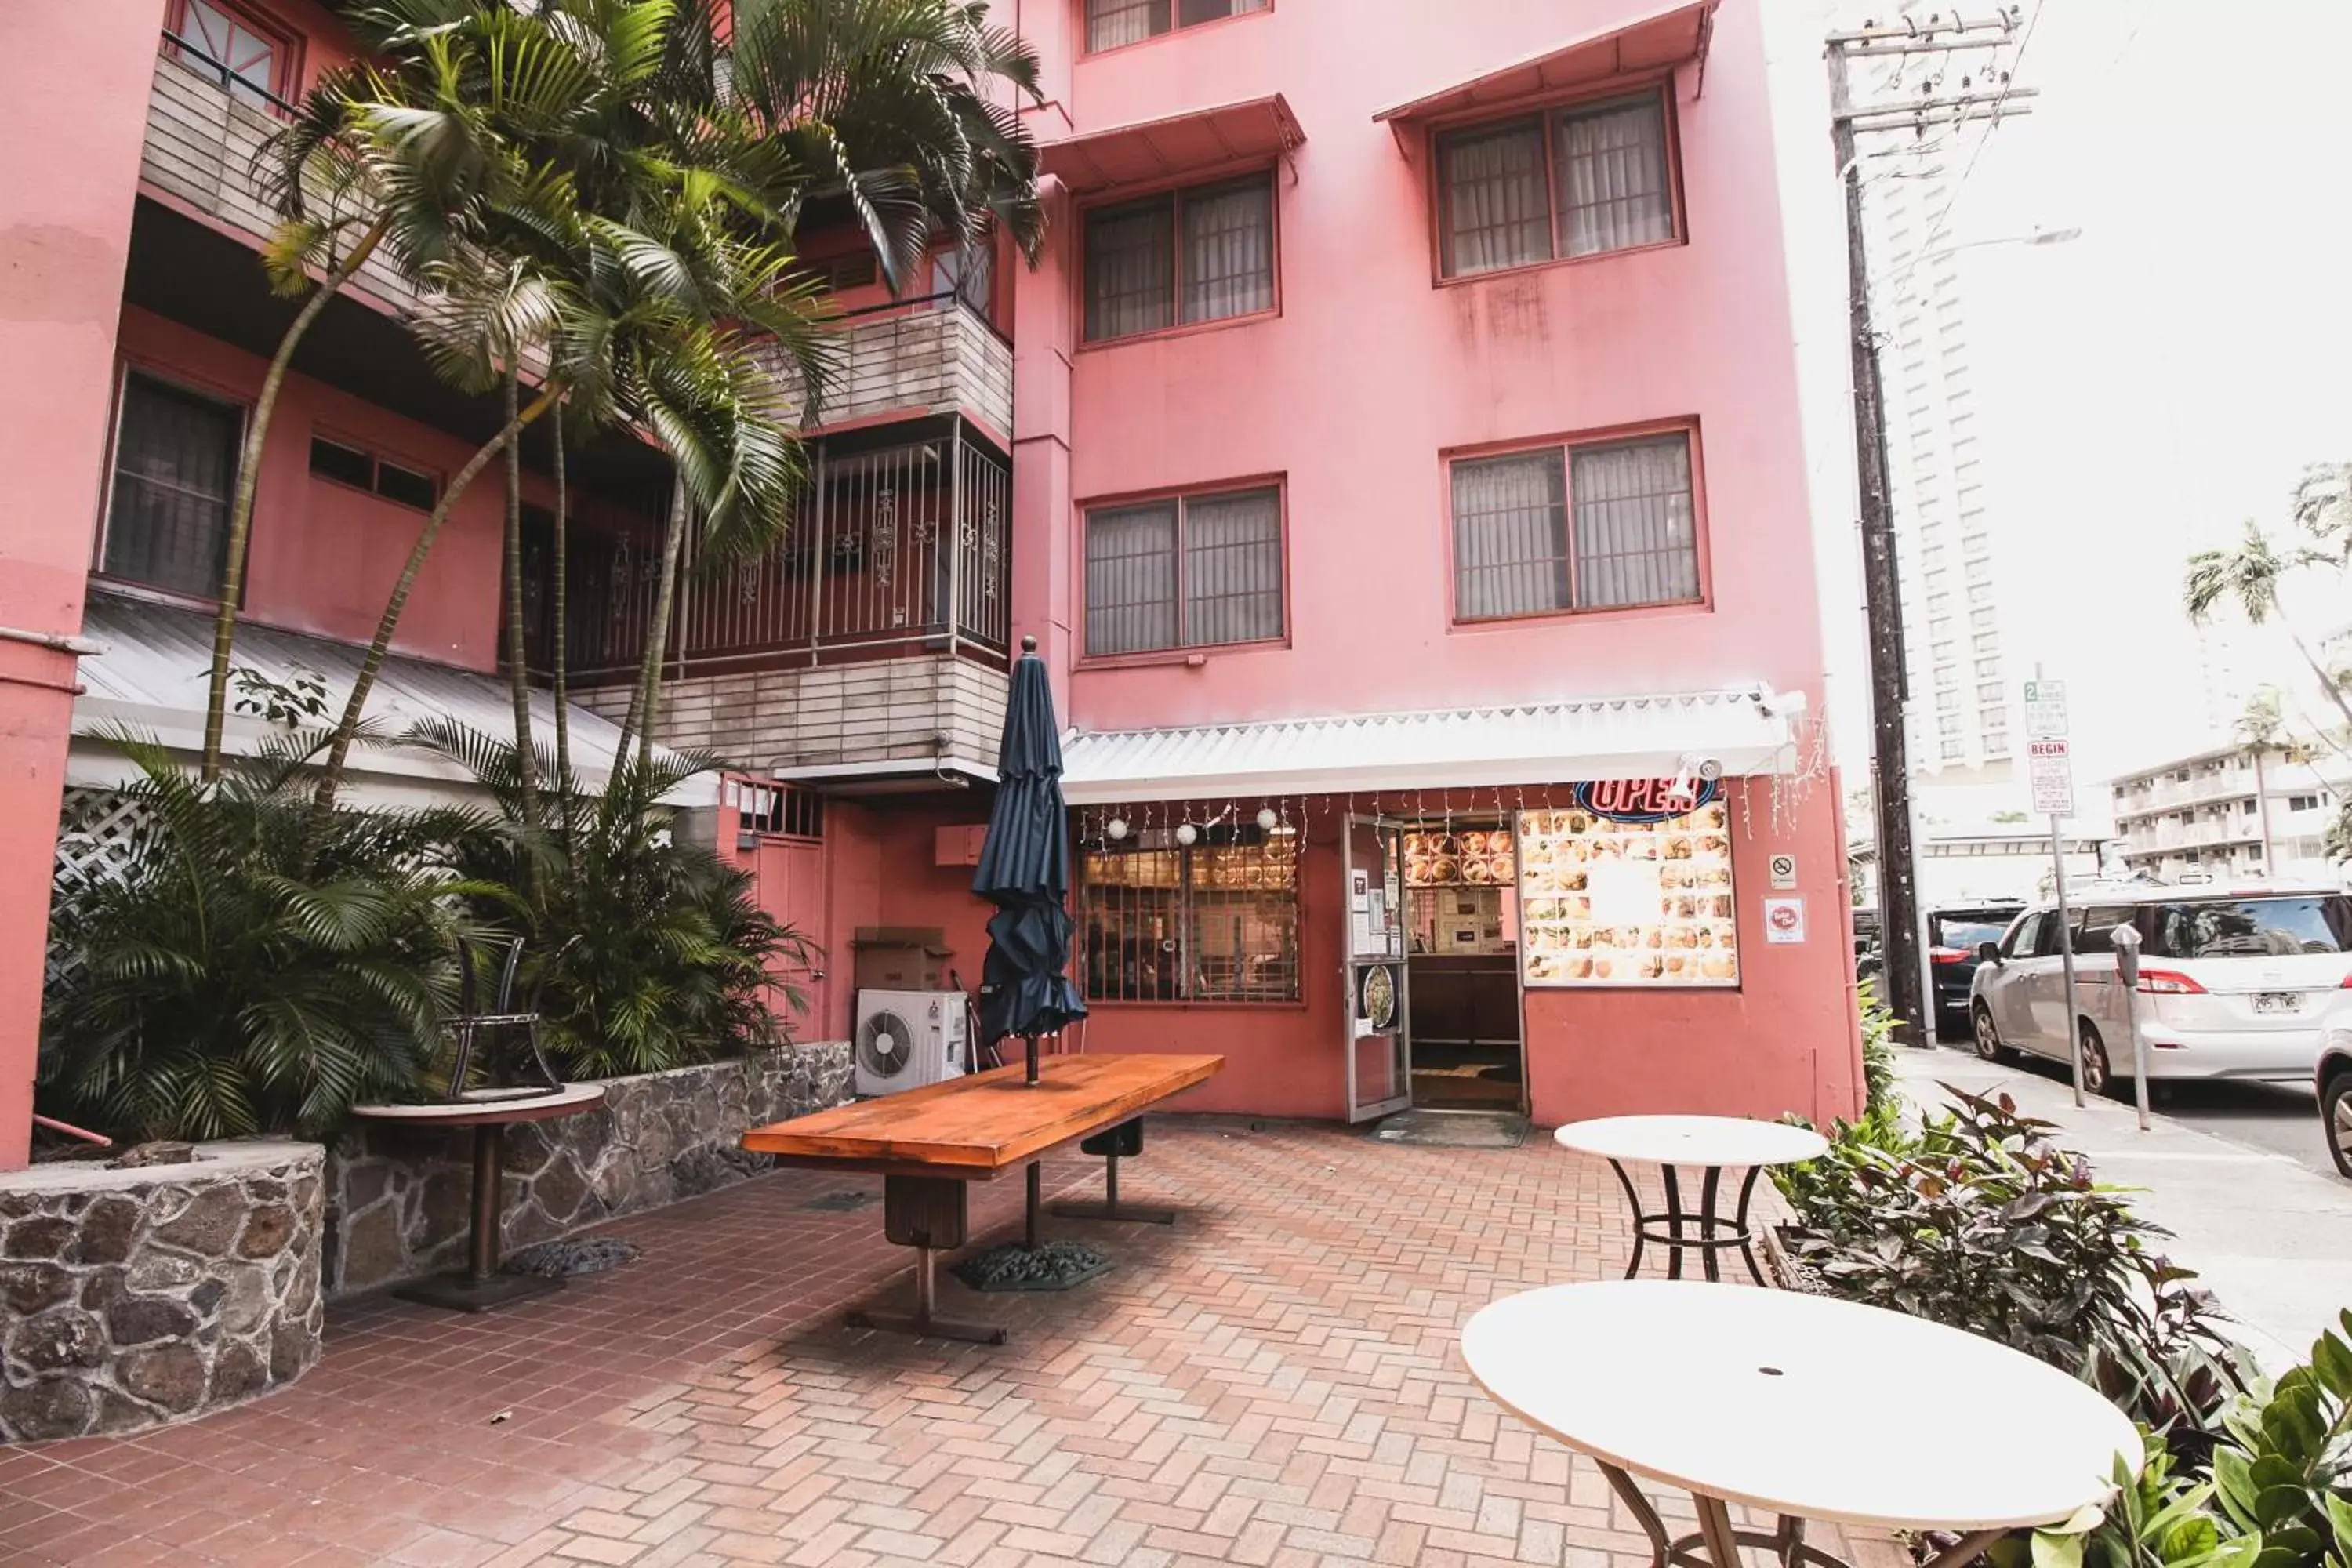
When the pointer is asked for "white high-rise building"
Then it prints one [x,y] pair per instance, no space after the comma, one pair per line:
[1963,682]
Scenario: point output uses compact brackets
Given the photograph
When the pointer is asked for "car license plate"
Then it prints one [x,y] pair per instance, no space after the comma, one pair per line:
[2278,1001]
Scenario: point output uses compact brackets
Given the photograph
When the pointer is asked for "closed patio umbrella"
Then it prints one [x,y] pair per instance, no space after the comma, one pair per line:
[1024,871]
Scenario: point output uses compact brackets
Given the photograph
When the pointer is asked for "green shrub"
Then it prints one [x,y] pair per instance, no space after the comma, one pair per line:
[648,952]
[252,966]
[1878,1021]
[1979,1220]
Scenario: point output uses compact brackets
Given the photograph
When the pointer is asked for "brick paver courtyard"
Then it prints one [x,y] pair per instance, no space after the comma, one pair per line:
[1275,1381]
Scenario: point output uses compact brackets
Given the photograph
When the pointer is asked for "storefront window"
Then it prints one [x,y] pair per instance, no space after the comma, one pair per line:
[1216,920]
[1606,902]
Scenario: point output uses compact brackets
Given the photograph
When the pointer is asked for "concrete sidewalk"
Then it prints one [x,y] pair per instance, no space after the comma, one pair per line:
[2272,1239]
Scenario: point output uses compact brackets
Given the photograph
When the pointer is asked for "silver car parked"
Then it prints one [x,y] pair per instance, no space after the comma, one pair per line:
[2233,981]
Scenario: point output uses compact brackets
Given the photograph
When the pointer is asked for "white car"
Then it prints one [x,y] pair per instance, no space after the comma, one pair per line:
[2233,981]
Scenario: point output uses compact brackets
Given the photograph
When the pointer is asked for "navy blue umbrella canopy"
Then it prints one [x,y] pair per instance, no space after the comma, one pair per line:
[1025,870]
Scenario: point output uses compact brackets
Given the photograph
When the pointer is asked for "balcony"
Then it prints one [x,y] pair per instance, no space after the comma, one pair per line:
[873,635]
[935,355]
[202,146]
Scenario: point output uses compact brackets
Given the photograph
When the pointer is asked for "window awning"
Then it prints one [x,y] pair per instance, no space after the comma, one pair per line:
[1747,730]
[1661,39]
[151,681]
[1180,145]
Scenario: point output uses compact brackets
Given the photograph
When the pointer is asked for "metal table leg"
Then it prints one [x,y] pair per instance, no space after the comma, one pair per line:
[925,1319]
[928,1213]
[1109,1207]
[1673,1224]
[1634,1202]
[481,1288]
[1739,1224]
[1715,1544]
[1704,1231]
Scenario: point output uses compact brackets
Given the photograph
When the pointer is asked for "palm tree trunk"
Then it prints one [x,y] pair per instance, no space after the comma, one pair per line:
[644,705]
[518,666]
[330,780]
[559,612]
[249,478]
[2326,681]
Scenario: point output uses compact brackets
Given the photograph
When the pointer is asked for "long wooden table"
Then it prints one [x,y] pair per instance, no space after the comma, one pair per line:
[928,1144]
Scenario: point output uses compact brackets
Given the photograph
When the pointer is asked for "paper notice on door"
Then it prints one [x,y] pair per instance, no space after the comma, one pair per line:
[1623,892]
[1360,940]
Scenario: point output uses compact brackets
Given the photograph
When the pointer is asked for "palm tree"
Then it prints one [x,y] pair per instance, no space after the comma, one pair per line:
[333,216]
[2250,577]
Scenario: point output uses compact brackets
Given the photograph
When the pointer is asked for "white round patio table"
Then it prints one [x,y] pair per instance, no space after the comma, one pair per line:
[1712,1142]
[1753,1396]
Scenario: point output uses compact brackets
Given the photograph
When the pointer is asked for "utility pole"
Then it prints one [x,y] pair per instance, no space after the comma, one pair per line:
[1901,932]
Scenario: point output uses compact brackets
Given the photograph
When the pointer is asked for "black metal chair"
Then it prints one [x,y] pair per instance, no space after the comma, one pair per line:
[502,1020]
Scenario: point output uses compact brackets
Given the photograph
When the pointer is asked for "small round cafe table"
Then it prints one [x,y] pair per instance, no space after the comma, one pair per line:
[1738,1395]
[1712,1142]
[480,1287]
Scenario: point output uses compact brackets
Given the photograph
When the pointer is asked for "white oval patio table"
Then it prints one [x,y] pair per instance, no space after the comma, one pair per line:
[1713,1143]
[479,1287]
[1759,1397]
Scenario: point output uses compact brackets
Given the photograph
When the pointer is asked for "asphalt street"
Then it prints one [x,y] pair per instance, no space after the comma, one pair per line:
[2276,1119]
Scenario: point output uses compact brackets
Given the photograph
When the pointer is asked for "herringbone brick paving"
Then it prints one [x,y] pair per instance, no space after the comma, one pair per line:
[1274,1382]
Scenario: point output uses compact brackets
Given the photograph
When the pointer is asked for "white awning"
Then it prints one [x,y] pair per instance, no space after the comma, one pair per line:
[1747,729]
[151,678]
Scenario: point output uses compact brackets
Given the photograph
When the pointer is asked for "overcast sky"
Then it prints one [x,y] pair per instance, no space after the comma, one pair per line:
[2147,387]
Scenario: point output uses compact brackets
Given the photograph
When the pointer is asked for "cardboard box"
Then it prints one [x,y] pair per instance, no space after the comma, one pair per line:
[900,958]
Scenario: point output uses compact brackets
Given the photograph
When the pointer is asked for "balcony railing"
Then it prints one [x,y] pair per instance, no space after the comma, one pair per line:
[893,550]
[205,132]
[935,354]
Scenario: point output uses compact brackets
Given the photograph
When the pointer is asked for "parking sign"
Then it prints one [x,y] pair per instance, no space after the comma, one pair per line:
[2049,771]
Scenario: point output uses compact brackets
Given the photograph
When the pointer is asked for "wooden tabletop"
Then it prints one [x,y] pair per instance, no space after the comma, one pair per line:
[1749,1395]
[978,1125]
[1693,1141]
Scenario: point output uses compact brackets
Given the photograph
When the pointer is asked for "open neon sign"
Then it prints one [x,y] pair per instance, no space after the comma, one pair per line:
[1645,800]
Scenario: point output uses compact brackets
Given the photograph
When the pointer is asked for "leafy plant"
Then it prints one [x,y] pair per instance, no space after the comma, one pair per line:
[279,701]
[673,961]
[1878,1022]
[2155,1519]
[2284,1469]
[1979,1220]
[245,970]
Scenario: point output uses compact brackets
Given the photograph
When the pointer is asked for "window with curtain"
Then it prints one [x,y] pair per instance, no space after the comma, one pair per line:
[1575,528]
[1574,181]
[1214,921]
[175,458]
[1111,23]
[1187,572]
[1199,254]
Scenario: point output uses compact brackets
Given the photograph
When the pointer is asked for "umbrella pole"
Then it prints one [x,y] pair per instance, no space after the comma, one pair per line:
[1037,1196]
[1031,1041]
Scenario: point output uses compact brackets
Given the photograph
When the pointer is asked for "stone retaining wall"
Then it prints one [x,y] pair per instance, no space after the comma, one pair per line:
[130,1297]
[397,1197]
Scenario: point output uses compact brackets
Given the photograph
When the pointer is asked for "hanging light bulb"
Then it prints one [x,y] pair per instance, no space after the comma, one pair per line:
[1266,820]
[1115,828]
[1186,833]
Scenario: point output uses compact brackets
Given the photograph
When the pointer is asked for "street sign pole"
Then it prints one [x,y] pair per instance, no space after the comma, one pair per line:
[2051,772]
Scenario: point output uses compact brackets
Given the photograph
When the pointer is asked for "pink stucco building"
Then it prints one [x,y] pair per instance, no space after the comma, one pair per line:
[1399,456]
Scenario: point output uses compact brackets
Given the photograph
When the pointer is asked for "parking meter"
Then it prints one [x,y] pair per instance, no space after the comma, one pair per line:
[2125,940]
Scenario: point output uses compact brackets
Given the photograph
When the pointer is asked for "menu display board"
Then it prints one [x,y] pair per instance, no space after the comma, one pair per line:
[1606,902]
[1475,858]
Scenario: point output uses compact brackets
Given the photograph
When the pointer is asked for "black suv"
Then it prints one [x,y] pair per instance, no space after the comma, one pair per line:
[1954,933]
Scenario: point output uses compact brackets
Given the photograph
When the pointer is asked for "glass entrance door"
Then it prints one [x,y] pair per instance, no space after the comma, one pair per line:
[1379,1054]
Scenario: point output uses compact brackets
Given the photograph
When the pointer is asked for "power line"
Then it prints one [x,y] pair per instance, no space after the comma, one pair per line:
[2016,60]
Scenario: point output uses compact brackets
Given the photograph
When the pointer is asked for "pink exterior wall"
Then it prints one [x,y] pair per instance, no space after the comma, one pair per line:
[1371,374]
[65,233]
[324,556]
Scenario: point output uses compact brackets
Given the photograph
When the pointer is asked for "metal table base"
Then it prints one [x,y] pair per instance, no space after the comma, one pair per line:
[480,1287]
[1709,1233]
[1721,1542]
